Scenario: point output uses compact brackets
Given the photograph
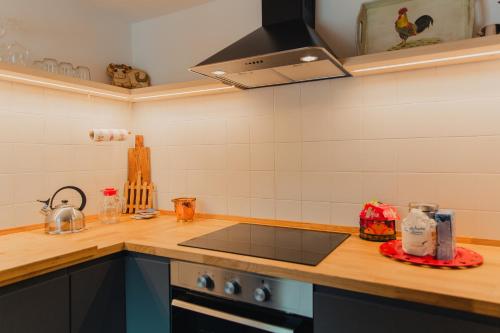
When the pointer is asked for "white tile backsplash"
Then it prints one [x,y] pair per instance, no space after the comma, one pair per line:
[44,146]
[288,185]
[316,151]
[177,182]
[288,210]
[238,183]
[207,157]
[5,95]
[288,126]
[6,163]
[262,129]
[288,156]
[238,130]
[6,188]
[262,184]
[316,186]
[316,212]
[238,206]
[316,156]
[315,125]
[347,187]
[262,208]
[262,156]
[238,157]
[307,152]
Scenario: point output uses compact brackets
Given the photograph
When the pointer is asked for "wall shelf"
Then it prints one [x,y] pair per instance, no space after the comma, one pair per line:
[183,89]
[464,51]
[458,52]
[36,77]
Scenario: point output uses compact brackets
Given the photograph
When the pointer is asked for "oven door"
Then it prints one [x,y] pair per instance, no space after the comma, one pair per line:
[201,314]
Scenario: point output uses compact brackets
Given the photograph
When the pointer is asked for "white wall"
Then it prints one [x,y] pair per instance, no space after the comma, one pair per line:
[167,46]
[336,23]
[70,30]
[44,146]
[315,152]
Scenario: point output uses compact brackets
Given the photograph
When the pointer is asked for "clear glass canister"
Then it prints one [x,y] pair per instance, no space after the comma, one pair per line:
[111,207]
[429,209]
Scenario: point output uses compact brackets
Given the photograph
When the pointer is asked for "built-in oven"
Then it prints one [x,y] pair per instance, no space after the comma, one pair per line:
[206,299]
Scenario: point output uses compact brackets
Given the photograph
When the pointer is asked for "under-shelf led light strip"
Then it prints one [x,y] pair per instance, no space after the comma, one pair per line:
[100,93]
[430,61]
[182,93]
[62,86]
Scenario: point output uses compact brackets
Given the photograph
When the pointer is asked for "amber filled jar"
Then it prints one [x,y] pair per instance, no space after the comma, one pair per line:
[184,209]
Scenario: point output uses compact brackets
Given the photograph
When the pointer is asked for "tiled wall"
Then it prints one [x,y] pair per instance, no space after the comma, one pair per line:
[316,151]
[309,152]
[44,145]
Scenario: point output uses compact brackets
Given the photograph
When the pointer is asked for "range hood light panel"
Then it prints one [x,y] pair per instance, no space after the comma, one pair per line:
[308,58]
[219,73]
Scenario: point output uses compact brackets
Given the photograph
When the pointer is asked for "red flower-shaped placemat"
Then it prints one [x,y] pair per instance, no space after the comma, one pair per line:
[464,258]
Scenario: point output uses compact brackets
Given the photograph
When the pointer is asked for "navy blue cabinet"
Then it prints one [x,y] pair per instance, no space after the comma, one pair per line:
[98,296]
[148,294]
[37,305]
[115,294]
[347,312]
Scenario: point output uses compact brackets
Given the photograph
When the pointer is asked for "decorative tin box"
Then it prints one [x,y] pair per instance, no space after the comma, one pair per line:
[377,222]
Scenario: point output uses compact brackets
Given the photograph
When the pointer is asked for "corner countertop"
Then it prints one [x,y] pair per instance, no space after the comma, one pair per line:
[355,265]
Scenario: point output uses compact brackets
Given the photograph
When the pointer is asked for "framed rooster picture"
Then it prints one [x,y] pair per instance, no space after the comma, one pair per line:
[389,25]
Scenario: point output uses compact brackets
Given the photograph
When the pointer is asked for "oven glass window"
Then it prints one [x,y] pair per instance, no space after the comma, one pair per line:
[185,321]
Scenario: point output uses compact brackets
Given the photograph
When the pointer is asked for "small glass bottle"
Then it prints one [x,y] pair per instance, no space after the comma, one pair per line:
[110,209]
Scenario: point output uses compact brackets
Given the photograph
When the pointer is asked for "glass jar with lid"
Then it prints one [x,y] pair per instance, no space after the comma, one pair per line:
[110,209]
[51,65]
[428,209]
[65,68]
[82,72]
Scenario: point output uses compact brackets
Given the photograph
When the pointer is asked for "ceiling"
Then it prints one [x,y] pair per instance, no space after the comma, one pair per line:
[133,10]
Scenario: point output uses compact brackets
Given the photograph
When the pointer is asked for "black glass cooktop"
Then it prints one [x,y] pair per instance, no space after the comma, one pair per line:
[286,244]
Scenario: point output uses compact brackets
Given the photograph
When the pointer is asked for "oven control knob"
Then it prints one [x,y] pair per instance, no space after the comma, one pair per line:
[262,294]
[232,287]
[205,282]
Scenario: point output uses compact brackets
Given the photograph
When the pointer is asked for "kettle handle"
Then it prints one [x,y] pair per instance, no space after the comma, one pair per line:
[82,194]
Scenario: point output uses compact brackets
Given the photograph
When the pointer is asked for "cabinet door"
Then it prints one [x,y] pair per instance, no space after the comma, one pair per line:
[98,296]
[37,305]
[148,294]
[337,311]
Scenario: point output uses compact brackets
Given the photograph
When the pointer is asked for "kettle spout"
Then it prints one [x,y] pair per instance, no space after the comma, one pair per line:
[46,207]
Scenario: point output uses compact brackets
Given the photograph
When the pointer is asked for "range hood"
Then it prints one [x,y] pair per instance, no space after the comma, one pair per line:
[286,49]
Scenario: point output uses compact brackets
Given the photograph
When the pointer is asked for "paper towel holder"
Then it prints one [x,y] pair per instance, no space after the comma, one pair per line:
[107,135]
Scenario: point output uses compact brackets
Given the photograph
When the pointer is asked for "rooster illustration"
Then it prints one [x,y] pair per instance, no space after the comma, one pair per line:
[406,29]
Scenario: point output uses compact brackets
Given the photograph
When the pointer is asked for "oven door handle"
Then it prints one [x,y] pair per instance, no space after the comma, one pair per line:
[230,317]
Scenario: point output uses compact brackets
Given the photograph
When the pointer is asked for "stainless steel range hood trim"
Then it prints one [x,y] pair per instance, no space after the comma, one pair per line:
[241,65]
[274,55]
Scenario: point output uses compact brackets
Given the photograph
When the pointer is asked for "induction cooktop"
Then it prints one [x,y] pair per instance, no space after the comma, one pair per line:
[298,246]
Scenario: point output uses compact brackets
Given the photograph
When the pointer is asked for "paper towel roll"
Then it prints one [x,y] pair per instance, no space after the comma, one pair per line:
[103,135]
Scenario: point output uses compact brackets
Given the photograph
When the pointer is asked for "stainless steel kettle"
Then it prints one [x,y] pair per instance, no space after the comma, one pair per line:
[64,218]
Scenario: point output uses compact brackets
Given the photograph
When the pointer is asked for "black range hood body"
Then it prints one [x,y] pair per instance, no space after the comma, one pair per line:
[276,53]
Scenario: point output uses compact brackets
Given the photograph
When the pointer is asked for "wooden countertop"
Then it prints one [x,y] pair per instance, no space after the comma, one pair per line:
[356,265]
